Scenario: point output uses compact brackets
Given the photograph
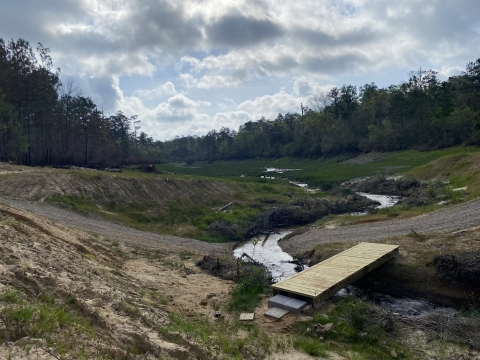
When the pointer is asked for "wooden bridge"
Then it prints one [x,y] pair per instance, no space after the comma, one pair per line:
[321,281]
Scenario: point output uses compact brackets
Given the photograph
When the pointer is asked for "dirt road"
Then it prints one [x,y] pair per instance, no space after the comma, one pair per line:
[95,224]
[443,221]
[446,220]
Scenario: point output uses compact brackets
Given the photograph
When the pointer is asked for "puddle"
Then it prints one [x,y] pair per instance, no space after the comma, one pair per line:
[280,171]
[269,254]
[302,185]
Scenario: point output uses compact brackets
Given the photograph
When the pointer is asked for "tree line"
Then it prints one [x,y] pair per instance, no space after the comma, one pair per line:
[422,113]
[46,122]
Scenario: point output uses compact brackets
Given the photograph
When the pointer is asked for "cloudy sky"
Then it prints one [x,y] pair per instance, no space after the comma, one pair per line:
[188,66]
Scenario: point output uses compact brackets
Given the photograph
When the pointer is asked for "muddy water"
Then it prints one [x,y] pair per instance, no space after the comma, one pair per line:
[270,254]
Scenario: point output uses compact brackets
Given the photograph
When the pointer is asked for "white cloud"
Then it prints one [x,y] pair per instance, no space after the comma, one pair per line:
[167,89]
[200,50]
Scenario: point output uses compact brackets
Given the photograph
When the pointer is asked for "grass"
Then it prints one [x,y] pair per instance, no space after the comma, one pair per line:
[459,170]
[311,346]
[353,335]
[252,195]
[181,217]
[245,296]
[41,318]
[320,172]
[219,335]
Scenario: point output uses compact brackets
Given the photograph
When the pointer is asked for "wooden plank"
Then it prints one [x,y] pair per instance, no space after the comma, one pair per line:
[323,280]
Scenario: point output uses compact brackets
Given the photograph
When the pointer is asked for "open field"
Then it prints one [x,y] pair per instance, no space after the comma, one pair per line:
[319,172]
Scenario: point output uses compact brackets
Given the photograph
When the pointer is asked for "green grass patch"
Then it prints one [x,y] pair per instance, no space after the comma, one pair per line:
[354,332]
[319,172]
[459,170]
[310,346]
[77,202]
[220,335]
[42,318]
[245,296]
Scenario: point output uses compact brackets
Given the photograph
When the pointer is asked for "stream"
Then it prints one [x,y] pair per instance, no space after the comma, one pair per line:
[269,253]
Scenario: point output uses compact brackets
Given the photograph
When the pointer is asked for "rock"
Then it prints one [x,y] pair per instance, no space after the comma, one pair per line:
[203,302]
[393,353]
[328,327]
[218,314]
[321,338]
[362,334]
[9,344]
[209,296]
[307,309]
[309,330]
[27,341]
[320,330]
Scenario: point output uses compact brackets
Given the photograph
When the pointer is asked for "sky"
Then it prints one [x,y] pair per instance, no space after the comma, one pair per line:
[186,67]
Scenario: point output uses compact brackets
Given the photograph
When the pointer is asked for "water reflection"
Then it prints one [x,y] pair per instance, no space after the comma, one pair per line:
[269,253]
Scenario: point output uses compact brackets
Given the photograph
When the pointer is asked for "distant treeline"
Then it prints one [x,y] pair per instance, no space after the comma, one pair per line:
[422,113]
[45,122]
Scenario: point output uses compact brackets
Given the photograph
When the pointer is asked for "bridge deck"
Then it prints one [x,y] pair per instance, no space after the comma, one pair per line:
[325,279]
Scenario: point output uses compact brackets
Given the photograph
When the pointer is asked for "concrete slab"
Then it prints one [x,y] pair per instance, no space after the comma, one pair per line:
[294,305]
[247,316]
[278,300]
[287,303]
[276,313]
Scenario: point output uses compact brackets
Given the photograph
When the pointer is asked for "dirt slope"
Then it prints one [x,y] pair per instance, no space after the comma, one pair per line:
[122,294]
[38,184]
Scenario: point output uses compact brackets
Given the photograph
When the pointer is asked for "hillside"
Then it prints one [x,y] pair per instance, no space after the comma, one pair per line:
[67,282]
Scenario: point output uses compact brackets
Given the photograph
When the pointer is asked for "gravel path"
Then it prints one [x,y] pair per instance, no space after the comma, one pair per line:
[445,220]
[95,224]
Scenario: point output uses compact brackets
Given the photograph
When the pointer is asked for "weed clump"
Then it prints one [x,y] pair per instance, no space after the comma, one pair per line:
[253,282]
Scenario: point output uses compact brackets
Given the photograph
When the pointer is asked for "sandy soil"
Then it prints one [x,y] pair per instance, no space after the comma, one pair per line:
[116,295]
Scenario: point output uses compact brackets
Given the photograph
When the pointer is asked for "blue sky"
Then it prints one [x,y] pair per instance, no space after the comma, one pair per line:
[186,67]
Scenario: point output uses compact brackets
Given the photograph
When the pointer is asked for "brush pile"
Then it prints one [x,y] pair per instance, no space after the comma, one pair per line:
[445,326]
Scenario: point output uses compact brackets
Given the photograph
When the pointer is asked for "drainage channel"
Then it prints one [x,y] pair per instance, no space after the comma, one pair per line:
[269,253]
